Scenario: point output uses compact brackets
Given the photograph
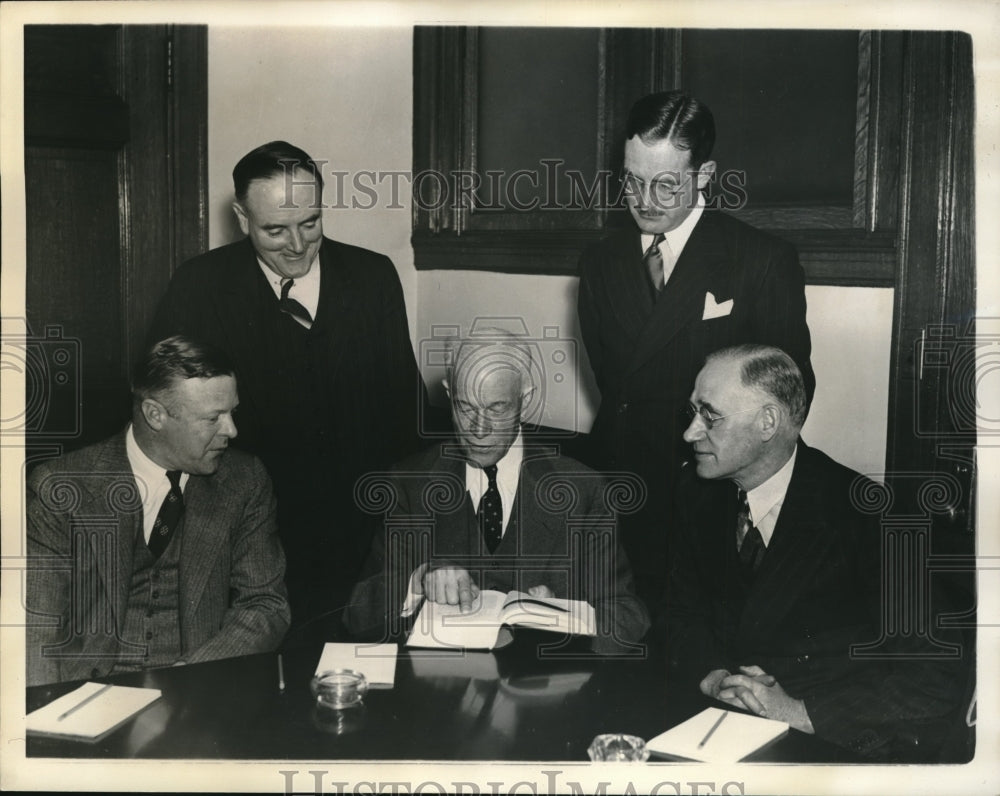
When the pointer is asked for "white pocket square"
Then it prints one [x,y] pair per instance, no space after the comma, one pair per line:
[714,309]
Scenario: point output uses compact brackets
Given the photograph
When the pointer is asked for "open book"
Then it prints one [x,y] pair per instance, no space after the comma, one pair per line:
[442,625]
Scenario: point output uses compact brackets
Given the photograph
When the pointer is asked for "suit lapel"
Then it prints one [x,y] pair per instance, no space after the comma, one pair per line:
[627,284]
[205,532]
[798,546]
[702,263]
[119,493]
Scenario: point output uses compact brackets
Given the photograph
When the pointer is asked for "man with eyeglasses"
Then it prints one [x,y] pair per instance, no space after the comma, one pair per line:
[655,298]
[776,576]
[492,510]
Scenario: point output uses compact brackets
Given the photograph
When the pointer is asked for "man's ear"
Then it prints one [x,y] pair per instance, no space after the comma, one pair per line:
[706,173]
[241,217]
[447,387]
[770,418]
[154,413]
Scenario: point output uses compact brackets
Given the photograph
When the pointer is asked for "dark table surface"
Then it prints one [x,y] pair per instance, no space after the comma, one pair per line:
[515,703]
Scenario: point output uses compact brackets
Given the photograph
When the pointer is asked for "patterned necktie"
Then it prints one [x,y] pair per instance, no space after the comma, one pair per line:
[293,307]
[490,513]
[654,261]
[748,539]
[169,516]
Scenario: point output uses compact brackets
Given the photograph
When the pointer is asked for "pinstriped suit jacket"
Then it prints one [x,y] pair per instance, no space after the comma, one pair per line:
[83,514]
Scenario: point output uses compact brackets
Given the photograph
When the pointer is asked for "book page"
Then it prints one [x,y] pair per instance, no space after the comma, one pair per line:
[549,613]
[443,625]
[90,711]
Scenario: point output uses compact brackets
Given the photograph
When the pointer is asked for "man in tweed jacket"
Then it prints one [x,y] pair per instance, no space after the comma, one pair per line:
[117,583]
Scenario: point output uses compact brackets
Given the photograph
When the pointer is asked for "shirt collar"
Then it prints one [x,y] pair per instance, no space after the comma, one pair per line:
[677,238]
[508,470]
[308,283]
[148,474]
[771,493]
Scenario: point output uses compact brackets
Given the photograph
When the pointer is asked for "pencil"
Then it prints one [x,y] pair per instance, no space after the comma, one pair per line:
[715,726]
[281,674]
[83,702]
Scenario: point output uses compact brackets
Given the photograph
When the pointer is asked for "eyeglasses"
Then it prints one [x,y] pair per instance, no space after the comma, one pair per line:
[710,419]
[661,191]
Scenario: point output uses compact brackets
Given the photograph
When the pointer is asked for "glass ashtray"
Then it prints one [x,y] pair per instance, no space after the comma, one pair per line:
[339,688]
[615,747]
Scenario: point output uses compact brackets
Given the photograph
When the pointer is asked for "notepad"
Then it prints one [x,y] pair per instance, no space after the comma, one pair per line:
[443,625]
[377,662]
[91,711]
[737,736]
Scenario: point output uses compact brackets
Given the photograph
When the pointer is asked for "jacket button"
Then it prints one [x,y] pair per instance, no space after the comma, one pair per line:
[623,407]
[149,635]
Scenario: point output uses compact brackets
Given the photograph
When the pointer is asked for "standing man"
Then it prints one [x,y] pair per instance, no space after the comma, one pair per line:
[158,546]
[489,511]
[779,601]
[329,385]
[657,297]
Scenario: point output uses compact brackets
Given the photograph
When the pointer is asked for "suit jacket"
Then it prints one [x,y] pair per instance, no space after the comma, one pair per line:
[561,533]
[818,591]
[646,352]
[320,407]
[83,517]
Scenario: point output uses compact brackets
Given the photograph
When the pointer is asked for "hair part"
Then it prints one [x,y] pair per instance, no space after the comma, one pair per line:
[275,158]
[175,359]
[772,371]
[674,116]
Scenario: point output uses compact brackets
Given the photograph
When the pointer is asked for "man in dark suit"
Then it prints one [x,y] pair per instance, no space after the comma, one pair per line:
[778,586]
[659,296]
[493,512]
[329,385]
[159,545]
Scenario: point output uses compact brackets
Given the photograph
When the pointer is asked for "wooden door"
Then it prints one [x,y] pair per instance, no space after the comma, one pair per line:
[115,186]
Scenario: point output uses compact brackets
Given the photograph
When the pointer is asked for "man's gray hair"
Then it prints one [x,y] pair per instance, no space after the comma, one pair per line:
[771,370]
[490,349]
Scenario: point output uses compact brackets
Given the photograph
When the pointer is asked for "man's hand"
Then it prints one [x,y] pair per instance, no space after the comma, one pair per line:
[759,693]
[451,585]
[541,591]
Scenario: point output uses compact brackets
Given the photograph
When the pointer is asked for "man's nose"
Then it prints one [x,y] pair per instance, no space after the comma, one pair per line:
[227,427]
[295,242]
[695,429]
[480,426]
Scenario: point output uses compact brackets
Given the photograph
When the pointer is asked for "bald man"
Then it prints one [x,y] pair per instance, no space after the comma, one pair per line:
[487,511]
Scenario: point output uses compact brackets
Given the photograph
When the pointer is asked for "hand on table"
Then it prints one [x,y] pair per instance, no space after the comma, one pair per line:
[759,692]
[541,591]
[450,585]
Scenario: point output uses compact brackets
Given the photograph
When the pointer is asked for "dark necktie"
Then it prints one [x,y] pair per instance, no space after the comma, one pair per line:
[291,306]
[751,543]
[654,261]
[490,514]
[169,516]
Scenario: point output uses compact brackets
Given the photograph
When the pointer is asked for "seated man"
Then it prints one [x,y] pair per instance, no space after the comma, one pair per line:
[778,573]
[495,513]
[157,546]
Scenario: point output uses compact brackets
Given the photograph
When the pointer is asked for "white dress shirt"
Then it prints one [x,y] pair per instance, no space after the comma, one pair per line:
[151,479]
[305,290]
[677,238]
[508,473]
[767,499]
